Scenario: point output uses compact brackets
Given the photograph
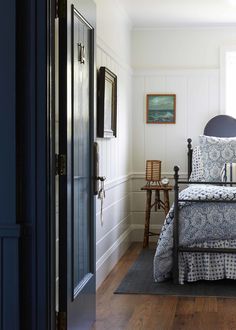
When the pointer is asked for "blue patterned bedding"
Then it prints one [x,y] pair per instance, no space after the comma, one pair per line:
[201,224]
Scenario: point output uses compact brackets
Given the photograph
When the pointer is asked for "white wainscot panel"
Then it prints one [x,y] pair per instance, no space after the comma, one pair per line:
[110,258]
[104,244]
[113,194]
[138,183]
[139,201]
[112,216]
[156,218]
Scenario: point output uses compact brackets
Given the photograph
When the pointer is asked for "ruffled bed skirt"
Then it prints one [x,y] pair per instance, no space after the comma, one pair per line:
[197,266]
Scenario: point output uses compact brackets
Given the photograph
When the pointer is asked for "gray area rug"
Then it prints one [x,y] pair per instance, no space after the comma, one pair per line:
[139,280]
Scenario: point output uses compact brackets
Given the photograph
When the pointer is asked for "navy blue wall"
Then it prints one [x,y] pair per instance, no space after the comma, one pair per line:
[23,166]
[32,160]
[9,229]
[7,112]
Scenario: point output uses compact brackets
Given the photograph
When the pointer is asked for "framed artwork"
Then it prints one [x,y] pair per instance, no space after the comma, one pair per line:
[160,109]
[107,103]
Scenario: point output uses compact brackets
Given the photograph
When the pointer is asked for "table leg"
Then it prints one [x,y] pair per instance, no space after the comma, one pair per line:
[157,200]
[166,202]
[147,218]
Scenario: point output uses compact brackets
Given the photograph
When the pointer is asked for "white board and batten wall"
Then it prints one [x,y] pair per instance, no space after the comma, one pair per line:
[113,52]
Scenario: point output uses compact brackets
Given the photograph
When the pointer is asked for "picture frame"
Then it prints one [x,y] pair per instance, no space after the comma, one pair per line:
[107,104]
[161,108]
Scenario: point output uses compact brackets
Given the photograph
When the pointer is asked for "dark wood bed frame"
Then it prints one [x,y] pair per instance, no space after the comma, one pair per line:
[219,126]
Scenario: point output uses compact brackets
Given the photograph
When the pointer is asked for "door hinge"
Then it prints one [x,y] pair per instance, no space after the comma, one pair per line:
[61,320]
[60,8]
[60,164]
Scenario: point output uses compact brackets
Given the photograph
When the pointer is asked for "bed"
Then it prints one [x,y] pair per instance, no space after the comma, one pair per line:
[198,238]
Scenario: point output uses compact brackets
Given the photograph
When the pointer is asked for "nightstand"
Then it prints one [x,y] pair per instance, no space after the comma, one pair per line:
[158,204]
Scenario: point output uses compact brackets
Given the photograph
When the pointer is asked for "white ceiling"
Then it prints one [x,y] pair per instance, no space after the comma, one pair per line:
[178,13]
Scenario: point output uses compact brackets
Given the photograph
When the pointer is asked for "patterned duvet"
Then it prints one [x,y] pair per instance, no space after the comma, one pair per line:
[201,224]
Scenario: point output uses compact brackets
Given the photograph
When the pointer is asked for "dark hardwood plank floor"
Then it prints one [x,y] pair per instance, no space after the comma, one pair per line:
[153,312]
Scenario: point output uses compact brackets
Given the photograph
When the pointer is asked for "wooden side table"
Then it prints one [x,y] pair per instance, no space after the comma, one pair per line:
[158,203]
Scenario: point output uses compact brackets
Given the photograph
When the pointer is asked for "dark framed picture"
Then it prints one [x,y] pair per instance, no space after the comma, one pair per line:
[107,103]
[161,109]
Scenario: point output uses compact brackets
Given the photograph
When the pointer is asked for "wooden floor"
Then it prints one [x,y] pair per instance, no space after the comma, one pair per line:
[153,312]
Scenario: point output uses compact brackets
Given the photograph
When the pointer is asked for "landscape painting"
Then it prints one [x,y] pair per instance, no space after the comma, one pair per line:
[161,108]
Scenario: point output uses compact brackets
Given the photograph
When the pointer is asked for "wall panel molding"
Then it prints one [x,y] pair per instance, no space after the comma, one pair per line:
[113,229]
[176,72]
[169,175]
[117,181]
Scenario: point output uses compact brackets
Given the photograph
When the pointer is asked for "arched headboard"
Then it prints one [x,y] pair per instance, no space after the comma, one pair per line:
[221,126]
[218,126]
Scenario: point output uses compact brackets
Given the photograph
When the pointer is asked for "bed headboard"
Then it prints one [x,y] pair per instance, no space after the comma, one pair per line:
[219,126]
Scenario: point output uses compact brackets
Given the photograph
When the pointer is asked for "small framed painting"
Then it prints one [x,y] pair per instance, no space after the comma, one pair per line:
[107,103]
[161,108]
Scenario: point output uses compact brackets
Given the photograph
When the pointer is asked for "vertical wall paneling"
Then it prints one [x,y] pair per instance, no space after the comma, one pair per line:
[113,236]
[138,141]
[197,100]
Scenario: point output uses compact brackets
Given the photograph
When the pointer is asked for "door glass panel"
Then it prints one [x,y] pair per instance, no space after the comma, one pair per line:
[81,155]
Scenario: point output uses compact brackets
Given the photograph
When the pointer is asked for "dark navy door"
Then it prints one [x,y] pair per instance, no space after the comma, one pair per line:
[76,201]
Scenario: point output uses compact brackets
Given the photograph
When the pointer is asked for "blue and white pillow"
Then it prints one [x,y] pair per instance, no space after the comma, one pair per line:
[215,153]
[197,166]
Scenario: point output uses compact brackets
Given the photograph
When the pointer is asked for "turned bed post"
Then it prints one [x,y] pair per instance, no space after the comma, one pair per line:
[176,228]
[190,153]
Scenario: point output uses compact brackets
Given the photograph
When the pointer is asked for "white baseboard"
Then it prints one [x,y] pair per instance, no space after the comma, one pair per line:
[135,226]
[109,259]
[137,232]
